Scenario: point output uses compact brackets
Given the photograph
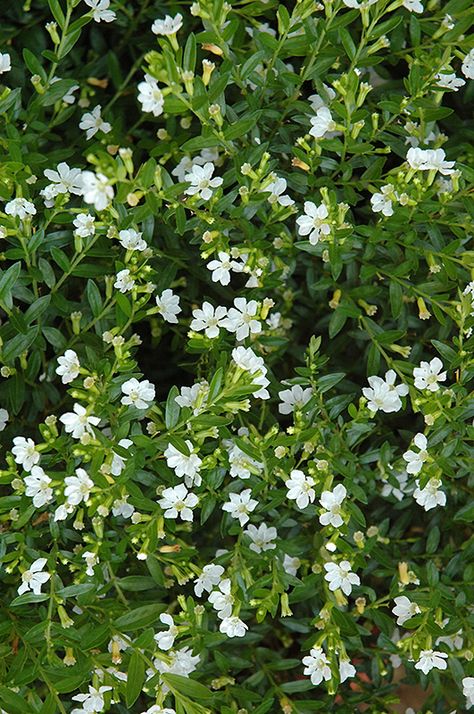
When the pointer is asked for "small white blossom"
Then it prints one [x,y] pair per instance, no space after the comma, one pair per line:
[313,222]
[247,360]
[150,96]
[416,459]
[233,627]
[241,318]
[168,306]
[428,374]
[38,487]
[96,190]
[78,487]
[5,62]
[405,609]
[211,575]
[340,575]
[291,564]
[468,685]
[65,179]
[331,501]
[182,662]
[168,26]
[382,202]
[221,268]
[137,394]
[69,366]
[448,80]
[184,465]
[33,579]
[294,398]
[132,240]
[124,281]
[209,319]
[240,505]
[24,452]
[322,123]
[92,122]
[202,183]
[346,670]
[383,394]
[467,69]
[300,488]
[277,189]
[194,397]
[222,599]
[413,5]
[79,422]
[241,464]
[261,537]
[429,160]
[177,502]
[84,225]
[317,101]
[165,640]
[20,208]
[4,417]
[430,496]
[430,659]
[91,560]
[317,666]
[93,701]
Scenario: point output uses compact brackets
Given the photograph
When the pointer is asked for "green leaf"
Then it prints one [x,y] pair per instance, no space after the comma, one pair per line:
[94,298]
[136,678]
[189,58]
[172,408]
[187,686]
[19,344]
[55,7]
[139,617]
[396,299]
[7,282]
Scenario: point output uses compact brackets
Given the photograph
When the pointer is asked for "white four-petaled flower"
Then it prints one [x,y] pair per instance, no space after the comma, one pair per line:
[331,501]
[33,578]
[300,488]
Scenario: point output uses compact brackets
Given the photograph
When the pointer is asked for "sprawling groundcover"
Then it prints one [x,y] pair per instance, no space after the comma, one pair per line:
[237,305]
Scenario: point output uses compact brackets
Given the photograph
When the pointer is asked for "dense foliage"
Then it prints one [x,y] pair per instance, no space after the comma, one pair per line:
[237,302]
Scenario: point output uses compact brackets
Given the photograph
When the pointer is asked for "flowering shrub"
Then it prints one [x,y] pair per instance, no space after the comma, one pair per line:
[236,348]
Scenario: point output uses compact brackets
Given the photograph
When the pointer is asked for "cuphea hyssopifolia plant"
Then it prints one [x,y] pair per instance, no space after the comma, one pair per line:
[237,296]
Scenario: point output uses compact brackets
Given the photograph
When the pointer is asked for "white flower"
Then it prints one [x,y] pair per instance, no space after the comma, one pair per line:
[168,306]
[241,318]
[240,505]
[405,609]
[183,464]
[359,5]
[242,465]
[317,666]
[96,190]
[132,240]
[317,101]
[100,10]
[449,80]
[84,224]
[277,190]
[339,575]
[69,366]
[156,709]
[382,202]
[247,360]
[65,179]
[413,5]
[210,576]
[182,662]
[178,502]
[20,208]
[346,670]
[78,487]
[209,319]
[91,560]
[222,599]
[468,684]
[429,159]
[124,281]
[5,62]
[430,659]
[300,488]
[233,627]
[4,416]
[398,491]
[430,496]
[24,452]
[92,122]
[313,222]
[137,394]
[194,397]
[200,178]
[120,507]
[291,564]
[416,459]
[322,123]
[168,26]
[38,488]
[427,375]
[165,640]
[383,394]
[331,501]
[221,268]
[78,422]
[33,578]
[93,701]
[150,96]
[261,537]
[467,69]
[294,398]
